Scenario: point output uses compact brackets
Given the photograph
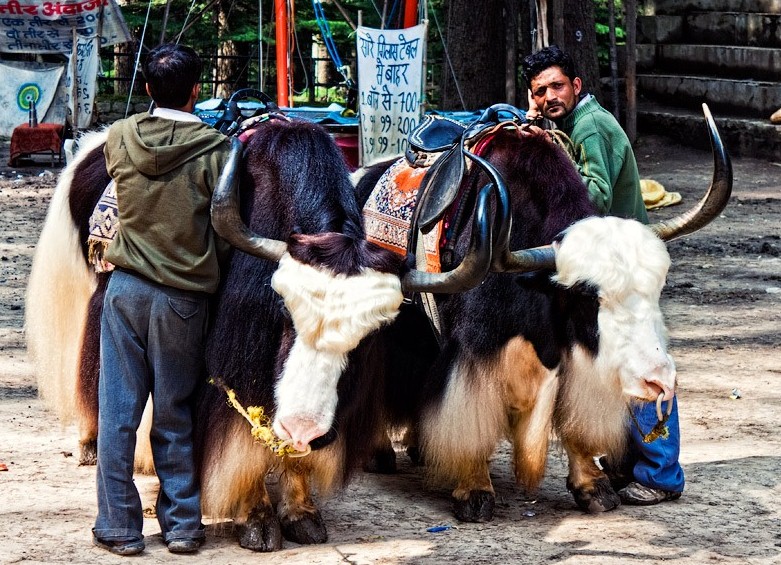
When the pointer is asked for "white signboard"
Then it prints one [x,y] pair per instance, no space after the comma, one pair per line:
[46,27]
[390,69]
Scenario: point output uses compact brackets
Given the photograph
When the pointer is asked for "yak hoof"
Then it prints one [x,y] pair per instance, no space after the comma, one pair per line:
[89,452]
[262,531]
[479,507]
[383,461]
[307,530]
[596,498]
[415,455]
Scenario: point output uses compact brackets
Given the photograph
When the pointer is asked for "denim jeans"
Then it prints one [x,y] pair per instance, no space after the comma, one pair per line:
[656,464]
[151,342]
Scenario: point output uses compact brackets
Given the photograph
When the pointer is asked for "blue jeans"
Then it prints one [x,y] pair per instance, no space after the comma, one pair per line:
[151,342]
[656,464]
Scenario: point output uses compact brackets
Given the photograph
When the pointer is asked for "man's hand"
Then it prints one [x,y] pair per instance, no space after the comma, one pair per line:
[533,114]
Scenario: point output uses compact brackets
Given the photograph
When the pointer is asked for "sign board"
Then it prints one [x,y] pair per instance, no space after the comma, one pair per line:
[46,27]
[81,100]
[390,82]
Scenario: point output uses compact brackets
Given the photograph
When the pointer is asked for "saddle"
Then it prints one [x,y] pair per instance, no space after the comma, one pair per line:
[442,145]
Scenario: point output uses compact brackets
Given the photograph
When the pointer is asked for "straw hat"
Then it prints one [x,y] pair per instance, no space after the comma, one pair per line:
[655,196]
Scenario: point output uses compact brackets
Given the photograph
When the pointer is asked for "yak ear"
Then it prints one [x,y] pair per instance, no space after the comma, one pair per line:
[535,280]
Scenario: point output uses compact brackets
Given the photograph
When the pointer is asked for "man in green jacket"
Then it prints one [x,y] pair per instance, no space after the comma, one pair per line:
[165,165]
[606,163]
[604,155]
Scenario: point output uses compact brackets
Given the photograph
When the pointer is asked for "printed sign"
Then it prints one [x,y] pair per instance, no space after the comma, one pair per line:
[390,69]
[46,27]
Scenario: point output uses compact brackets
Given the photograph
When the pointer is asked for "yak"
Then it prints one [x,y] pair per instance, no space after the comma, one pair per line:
[294,357]
[566,347]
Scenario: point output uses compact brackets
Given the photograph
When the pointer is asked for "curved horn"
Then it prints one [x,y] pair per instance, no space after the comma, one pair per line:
[226,219]
[472,270]
[714,200]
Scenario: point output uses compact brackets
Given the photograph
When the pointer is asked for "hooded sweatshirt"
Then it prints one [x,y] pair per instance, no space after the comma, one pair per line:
[165,172]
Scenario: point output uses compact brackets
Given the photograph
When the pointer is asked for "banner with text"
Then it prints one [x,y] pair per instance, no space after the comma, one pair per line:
[81,102]
[46,27]
[390,70]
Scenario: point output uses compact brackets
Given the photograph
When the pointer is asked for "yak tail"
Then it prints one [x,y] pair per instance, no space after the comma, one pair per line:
[58,293]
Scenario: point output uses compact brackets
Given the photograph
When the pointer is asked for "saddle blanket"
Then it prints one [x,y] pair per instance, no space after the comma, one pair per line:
[103,225]
[388,213]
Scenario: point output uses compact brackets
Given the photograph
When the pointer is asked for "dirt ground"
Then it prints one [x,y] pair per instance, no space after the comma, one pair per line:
[723,307]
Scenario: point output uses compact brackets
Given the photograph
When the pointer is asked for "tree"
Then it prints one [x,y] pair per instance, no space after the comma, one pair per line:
[473,74]
[573,30]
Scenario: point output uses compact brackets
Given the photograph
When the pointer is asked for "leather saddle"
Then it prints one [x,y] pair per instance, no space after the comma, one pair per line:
[444,142]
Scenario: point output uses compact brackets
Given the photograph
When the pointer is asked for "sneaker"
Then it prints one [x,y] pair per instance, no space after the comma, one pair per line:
[184,545]
[641,495]
[120,547]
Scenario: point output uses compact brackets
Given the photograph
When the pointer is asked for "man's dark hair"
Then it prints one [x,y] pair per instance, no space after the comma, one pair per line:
[551,56]
[171,71]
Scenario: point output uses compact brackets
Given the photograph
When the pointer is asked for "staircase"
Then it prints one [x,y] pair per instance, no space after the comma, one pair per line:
[726,53]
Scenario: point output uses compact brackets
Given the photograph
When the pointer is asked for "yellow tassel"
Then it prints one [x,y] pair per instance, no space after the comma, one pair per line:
[261,426]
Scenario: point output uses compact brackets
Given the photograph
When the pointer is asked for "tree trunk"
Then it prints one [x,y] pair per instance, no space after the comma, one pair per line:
[475,47]
[227,66]
[573,30]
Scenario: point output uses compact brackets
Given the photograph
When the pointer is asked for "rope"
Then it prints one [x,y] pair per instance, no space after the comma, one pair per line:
[328,40]
[138,58]
[184,24]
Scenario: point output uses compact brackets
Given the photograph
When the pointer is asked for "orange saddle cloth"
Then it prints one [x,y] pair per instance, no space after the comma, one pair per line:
[388,213]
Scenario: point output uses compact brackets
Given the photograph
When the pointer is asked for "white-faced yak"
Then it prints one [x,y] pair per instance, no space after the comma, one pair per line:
[299,235]
[565,348]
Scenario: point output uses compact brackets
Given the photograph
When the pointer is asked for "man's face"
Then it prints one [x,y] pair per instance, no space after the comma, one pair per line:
[554,93]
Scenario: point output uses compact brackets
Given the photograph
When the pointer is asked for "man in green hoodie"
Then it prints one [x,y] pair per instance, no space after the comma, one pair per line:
[606,163]
[165,164]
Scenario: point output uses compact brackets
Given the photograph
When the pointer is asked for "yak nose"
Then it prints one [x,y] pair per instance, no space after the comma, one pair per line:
[299,431]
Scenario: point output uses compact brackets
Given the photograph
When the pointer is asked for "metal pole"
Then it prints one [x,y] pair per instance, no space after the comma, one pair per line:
[410,13]
[283,95]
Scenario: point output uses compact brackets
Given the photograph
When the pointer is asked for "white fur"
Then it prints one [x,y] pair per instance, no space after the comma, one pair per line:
[58,292]
[628,264]
[466,425]
[331,314]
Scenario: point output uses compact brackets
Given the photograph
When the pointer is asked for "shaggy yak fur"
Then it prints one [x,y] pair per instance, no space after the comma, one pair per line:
[523,355]
[295,188]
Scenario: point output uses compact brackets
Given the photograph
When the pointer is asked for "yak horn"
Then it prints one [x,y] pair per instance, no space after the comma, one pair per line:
[474,267]
[226,218]
[714,200]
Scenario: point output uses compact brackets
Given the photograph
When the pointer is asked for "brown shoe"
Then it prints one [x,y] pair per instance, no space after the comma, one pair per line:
[640,495]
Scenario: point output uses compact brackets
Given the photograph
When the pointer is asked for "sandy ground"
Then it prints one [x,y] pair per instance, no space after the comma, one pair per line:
[723,308]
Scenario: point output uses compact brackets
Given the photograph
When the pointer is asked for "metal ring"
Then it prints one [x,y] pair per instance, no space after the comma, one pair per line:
[659,407]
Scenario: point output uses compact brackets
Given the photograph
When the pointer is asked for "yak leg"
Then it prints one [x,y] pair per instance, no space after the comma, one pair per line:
[87,378]
[459,435]
[301,520]
[589,486]
[261,531]
[531,397]
[383,458]
[474,498]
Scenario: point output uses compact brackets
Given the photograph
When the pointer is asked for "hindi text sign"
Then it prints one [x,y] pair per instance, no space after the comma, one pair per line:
[390,68]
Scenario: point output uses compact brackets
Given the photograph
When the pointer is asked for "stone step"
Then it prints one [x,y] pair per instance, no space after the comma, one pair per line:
[750,98]
[725,61]
[741,136]
[712,28]
[675,7]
